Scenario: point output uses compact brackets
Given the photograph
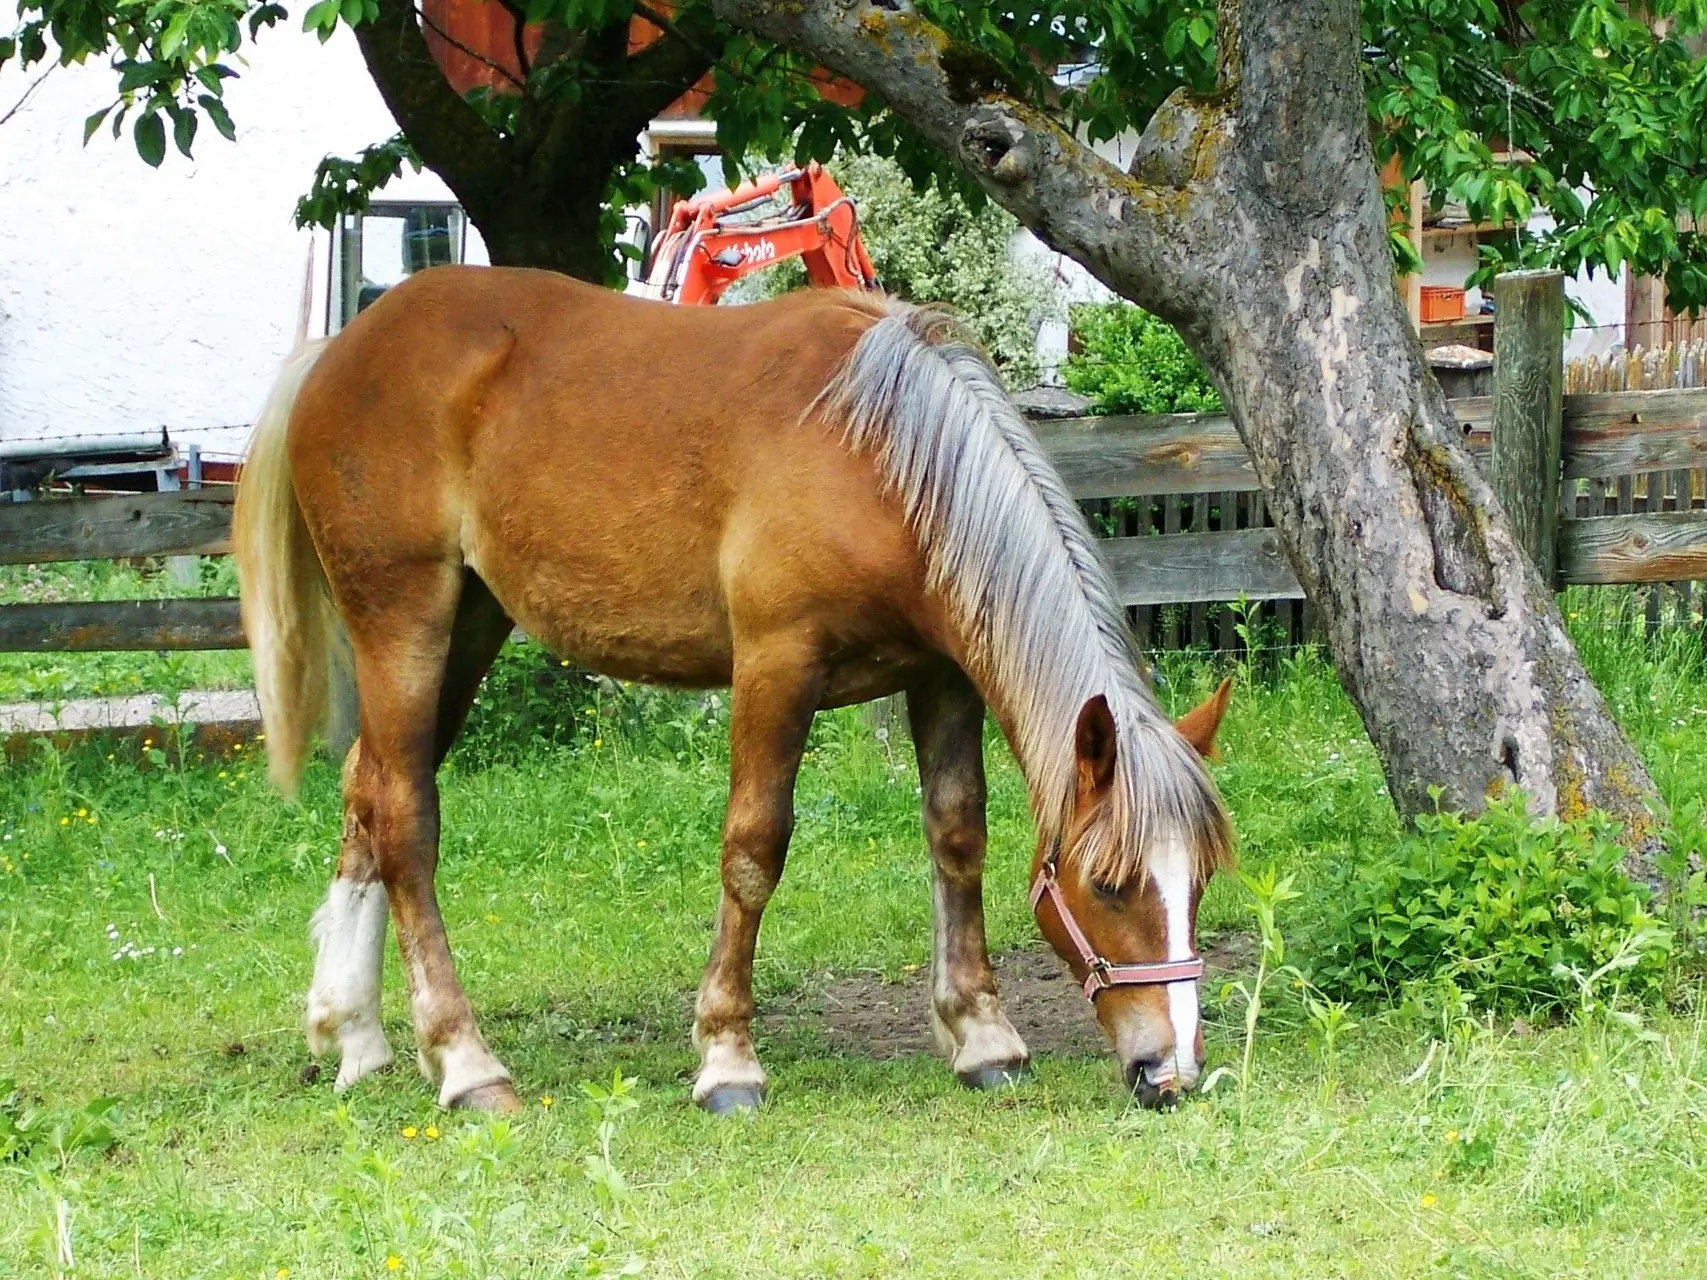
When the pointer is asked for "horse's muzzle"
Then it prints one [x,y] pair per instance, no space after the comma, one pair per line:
[1155,1090]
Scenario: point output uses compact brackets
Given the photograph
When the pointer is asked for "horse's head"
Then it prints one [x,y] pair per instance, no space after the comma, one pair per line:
[1124,917]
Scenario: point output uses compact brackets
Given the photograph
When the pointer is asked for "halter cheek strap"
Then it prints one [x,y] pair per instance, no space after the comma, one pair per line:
[1100,974]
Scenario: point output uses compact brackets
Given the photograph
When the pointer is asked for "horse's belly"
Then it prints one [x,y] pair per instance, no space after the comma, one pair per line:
[656,627]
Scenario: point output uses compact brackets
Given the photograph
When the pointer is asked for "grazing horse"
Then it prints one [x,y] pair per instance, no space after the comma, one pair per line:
[816,501]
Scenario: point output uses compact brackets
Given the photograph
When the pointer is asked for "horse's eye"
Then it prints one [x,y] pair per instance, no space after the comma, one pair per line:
[1107,892]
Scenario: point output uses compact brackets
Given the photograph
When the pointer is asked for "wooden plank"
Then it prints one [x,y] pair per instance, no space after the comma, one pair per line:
[1605,434]
[1162,453]
[120,624]
[1645,547]
[189,522]
[1192,567]
[1614,433]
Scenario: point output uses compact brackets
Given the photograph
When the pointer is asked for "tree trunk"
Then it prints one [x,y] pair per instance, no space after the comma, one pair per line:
[558,235]
[1253,220]
[537,193]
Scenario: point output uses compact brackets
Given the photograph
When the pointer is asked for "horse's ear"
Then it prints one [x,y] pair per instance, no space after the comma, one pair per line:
[1093,745]
[1198,725]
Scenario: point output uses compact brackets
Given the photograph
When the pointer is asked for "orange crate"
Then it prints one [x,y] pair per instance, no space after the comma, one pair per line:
[1442,302]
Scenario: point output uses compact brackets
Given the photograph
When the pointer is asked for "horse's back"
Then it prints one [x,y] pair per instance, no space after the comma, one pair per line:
[633,481]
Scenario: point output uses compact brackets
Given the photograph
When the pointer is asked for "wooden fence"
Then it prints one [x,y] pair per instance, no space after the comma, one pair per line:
[1675,365]
[1187,524]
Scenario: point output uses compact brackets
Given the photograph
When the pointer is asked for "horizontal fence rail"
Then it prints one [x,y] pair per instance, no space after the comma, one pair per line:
[1162,457]
[121,624]
[189,522]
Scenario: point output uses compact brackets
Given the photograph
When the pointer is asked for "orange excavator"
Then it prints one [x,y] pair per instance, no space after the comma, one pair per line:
[714,240]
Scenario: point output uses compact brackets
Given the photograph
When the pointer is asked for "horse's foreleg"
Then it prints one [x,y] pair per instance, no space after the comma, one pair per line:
[775,693]
[947,719]
[349,930]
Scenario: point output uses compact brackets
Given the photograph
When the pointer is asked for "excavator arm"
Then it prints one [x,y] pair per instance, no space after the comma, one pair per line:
[709,244]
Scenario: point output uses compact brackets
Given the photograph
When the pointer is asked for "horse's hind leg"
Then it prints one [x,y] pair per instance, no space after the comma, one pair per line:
[947,719]
[402,640]
[349,928]
[775,692]
[349,934]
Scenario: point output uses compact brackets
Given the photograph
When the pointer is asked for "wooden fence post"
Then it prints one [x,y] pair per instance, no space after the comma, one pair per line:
[1529,380]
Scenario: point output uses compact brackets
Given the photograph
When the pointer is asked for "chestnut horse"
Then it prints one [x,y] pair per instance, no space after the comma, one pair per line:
[816,501]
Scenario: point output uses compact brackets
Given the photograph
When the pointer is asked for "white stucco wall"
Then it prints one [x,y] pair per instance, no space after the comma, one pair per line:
[133,298]
[1451,259]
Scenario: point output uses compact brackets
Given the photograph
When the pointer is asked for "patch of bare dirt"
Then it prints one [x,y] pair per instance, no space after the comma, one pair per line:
[864,1015]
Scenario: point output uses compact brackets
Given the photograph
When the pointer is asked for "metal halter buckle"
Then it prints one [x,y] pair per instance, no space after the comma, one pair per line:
[1100,973]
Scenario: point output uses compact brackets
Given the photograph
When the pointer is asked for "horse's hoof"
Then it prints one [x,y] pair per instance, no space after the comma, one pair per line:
[989,1079]
[497,1097]
[733,1099]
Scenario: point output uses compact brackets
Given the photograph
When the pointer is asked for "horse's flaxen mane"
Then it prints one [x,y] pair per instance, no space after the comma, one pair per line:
[1006,544]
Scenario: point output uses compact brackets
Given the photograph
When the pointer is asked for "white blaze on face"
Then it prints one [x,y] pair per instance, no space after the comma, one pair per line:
[1171,869]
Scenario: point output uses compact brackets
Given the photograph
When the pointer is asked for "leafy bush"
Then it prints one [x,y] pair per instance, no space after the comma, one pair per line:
[932,246]
[530,699]
[1128,361]
[1514,911]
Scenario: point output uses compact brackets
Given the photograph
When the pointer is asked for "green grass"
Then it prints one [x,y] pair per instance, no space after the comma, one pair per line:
[579,887]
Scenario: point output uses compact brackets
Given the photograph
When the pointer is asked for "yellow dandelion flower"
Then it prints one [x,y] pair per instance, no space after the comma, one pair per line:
[393,1262]
[260,737]
[491,919]
[639,844]
[432,1133]
[563,663]
[283,1273]
[1451,1136]
[82,813]
[1428,1201]
[410,1132]
[222,773]
[238,746]
[598,742]
[65,822]
[546,1101]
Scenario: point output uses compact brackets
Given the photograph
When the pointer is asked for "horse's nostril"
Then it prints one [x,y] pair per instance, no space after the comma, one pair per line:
[1153,1094]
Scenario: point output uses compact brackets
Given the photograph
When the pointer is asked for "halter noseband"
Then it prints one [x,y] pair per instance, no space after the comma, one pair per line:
[1100,974]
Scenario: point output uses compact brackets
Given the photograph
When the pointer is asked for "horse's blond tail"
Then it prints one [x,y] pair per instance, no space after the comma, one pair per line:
[294,633]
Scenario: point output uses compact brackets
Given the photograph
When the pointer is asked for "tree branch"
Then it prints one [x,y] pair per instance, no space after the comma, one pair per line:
[454,43]
[1119,227]
[28,93]
[682,58]
[444,130]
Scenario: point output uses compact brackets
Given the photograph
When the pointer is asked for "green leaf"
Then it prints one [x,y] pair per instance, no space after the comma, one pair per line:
[322,17]
[150,135]
[219,115]
[93,123]
[1173,40]
[183,129]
